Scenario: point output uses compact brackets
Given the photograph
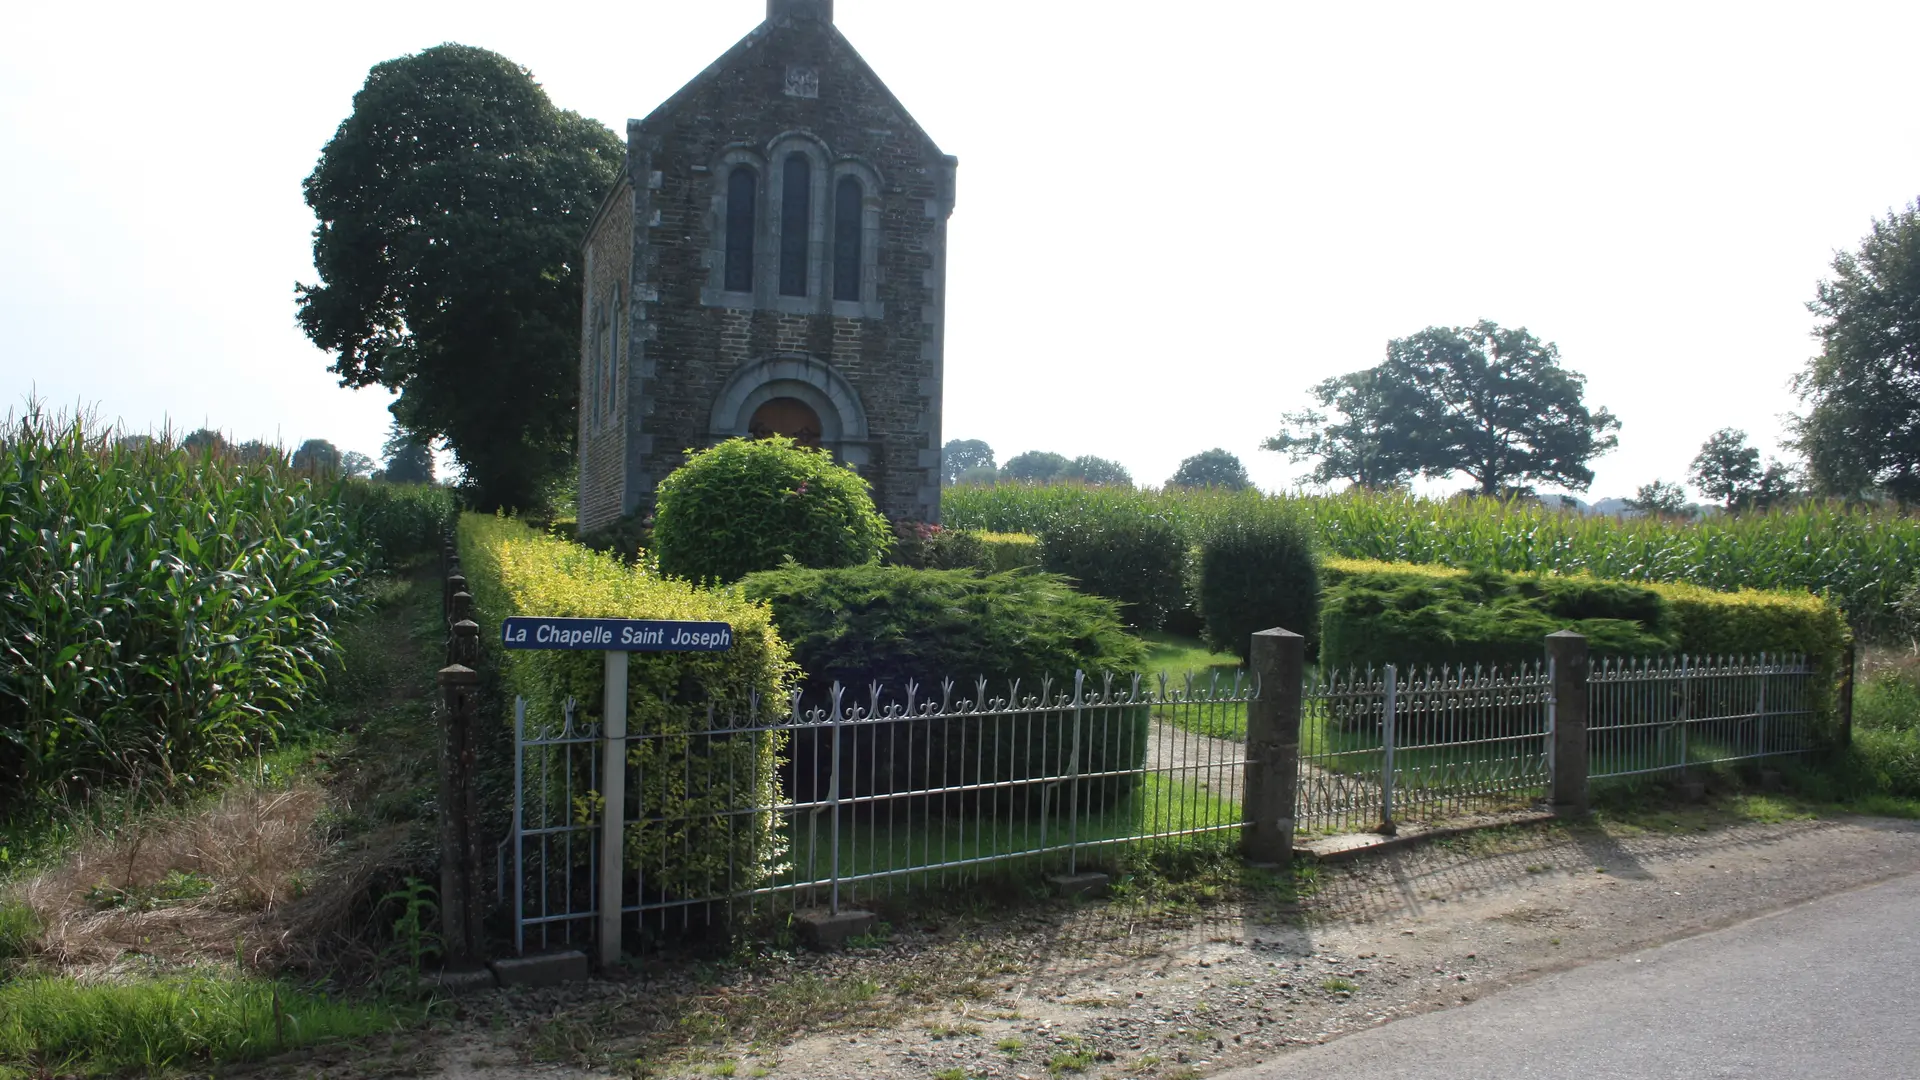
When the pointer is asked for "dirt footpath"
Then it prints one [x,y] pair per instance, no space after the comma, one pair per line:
[1110,991]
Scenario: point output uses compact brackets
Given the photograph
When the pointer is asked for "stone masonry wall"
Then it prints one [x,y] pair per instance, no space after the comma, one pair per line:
[685,348]
[602,443]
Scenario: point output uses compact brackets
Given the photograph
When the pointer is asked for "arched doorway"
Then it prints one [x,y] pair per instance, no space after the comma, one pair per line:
[786,416]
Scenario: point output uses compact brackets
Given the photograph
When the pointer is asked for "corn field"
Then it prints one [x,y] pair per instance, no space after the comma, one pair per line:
[162,611]
[1864,559]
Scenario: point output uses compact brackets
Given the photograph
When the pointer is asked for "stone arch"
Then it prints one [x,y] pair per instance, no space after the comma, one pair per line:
[809,381]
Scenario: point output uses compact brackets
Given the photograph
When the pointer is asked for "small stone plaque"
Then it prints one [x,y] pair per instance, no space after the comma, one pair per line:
[803,82]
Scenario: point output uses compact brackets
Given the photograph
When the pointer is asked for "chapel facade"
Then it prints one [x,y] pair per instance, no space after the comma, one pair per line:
[772,260]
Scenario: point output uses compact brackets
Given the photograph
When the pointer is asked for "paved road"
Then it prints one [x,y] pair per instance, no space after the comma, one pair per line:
[1827,989]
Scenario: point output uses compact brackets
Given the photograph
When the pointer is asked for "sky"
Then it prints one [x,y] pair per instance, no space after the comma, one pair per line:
[1173,219]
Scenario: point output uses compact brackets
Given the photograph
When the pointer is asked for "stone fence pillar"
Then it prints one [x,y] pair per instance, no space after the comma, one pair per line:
[1567,651]
[1273,747]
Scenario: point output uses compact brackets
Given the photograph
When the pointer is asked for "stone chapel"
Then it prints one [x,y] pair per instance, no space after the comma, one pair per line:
[772,260]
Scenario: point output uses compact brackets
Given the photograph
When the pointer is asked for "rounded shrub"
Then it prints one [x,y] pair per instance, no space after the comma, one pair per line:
[1255,570]
[750,504]
[873,629]
[1123,551]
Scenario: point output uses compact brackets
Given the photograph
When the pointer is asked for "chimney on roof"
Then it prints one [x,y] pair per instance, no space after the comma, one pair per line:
[800,9]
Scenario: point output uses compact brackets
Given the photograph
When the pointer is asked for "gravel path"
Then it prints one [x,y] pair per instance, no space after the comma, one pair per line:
[1124,989]
[1219,765]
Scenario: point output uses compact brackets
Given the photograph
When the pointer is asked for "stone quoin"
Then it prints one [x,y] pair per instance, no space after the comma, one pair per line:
[772,260]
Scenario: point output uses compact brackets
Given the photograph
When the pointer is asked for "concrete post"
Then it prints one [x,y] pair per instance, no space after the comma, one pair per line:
[1567,651]
[462,606]
[456,583]
[460,884]
[1273,747]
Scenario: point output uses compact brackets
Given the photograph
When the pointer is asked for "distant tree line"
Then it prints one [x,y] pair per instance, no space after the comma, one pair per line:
[409,460]
[971,461]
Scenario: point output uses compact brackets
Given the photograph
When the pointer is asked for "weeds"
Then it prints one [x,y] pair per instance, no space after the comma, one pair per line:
[418,910]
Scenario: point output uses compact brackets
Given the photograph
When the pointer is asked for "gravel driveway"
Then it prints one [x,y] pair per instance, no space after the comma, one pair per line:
[1128,990]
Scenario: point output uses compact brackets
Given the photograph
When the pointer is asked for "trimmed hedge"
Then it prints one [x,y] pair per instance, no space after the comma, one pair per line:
[1011,551]
[747,504]
[1373,619]
[1118,551]
[1255,570]
[888,625]
[513,570]
[1675,618]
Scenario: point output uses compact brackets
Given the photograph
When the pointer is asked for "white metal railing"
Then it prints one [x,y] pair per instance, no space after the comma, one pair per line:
[821,805]
[1460,740]
[1666,714]
[824,803]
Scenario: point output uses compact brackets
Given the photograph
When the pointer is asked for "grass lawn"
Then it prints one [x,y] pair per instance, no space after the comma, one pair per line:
[1212,673]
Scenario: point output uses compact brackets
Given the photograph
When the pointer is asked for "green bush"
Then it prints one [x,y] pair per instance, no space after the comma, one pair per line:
[1255,570]
[930,547]
[891,625]
[1890,701]
[747,504]
[693,785]
[1694,620]
[1118,551]
[1416,618]
[1885,756]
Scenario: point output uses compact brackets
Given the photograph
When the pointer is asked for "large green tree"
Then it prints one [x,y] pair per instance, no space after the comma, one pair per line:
[961,455]
[1496,405]
[317,456]
[1727,469]
[1482,400]
[451,205]
[1089,469]
[409,457]
[1212,468]
[1035,466]
[1861,431]
[1350,437]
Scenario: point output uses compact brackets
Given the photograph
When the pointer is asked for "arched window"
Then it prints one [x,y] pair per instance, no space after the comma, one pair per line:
[849,210]
[796,216]
[742,192]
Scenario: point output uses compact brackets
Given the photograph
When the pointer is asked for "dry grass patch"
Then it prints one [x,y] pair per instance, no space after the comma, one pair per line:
[181,887]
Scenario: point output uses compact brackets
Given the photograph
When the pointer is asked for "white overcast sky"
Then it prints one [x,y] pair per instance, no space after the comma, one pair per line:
[1173,217]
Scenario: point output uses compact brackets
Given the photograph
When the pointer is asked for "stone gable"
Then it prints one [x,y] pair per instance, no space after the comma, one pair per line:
[841,321]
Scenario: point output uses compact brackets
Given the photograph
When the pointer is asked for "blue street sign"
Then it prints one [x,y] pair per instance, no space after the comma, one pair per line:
[615,635]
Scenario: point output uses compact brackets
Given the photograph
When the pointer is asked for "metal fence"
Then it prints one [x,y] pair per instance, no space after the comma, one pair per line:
[1462,740]
[823,804]
[1647,716]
